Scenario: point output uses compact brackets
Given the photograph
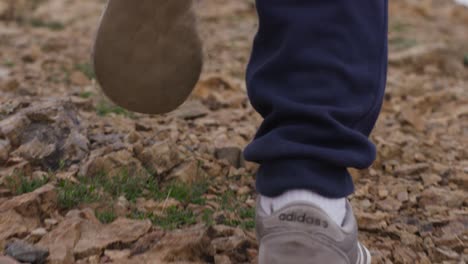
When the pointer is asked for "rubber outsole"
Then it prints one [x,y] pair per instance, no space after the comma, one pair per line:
[364,257]
[147,54]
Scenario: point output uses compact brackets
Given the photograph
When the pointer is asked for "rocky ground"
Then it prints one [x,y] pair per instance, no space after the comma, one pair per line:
[84,181]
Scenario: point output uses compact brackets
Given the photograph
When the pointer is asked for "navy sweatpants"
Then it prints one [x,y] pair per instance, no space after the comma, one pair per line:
[317,75]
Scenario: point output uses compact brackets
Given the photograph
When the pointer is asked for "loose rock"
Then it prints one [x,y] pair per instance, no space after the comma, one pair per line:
[25,252]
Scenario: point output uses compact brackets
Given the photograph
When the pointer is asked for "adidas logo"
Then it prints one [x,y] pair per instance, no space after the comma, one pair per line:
[303,218]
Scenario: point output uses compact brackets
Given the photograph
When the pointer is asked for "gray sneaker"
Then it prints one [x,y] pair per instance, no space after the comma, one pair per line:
[303,233]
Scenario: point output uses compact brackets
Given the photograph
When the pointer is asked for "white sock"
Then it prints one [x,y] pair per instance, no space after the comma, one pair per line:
[335,208]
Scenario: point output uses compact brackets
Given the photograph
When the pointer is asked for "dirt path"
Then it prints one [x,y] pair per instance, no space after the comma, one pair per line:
[92,183]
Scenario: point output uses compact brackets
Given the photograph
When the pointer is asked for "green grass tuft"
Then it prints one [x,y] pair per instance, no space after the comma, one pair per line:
[173,218]
[70,195]
[107,188]
[52,25]
[86,95]
[400,43]
[131,187]
[104,108]
[9,64]
[106,216]
[229,201]
[187,193]
[86,69]
[399,26]
[20,184]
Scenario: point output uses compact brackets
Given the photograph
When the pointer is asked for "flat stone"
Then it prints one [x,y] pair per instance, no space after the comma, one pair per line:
[5,148]
[25,252]
[187,172]
[230,154]
[435,196]
[222,259]
[35,150]
[40,201]
[13,224]
[191,110]
[118,254]
[115,163]
[372,221]
[13,126]
[7,260]
[61,241]
[36,234]
[161,157]
[94,238]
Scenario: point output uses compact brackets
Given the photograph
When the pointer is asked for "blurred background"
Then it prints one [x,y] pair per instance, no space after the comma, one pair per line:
[85,181]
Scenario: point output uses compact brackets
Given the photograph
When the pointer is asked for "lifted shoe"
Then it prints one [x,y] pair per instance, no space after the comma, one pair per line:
[147,54]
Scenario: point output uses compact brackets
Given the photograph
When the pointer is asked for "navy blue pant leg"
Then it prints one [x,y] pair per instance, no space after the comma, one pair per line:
[317,75]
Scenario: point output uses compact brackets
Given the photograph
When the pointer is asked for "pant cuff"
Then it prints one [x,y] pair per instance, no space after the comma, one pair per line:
[277,177]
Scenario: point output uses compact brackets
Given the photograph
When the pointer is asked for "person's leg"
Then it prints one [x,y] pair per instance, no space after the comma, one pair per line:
[317,75]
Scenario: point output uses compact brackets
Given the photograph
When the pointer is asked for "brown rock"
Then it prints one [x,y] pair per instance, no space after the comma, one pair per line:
[235,246]
[13,224]
[62,240]
[143,126]
[460,179]
[49,223]
[232,154]
[403,196]
[222,259]
[390,204]
[178,246]
[383,192]
[161,157]
[430,179]
[20,168]
[411,169]
[187,172]
[9,84]
[7,260]
[244,190]
[42,201]
[78,78]
[122,206]
[147,241]
[5,148]
[25,252]
[36,235]
[191,110]
[113,164]
[75,147]
[68,175]
[446,254]
[404,255]
[12,128]
[436,196]
[117,254]
[416,54]
[85,104]
[132,137]
[35,150]
[156,207]
[372,221]
[47,133]
[94,238]
[4,192]
[39,175]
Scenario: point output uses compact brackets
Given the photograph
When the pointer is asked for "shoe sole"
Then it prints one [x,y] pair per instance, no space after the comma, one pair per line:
[298,247]
[147,54]
[364,257]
